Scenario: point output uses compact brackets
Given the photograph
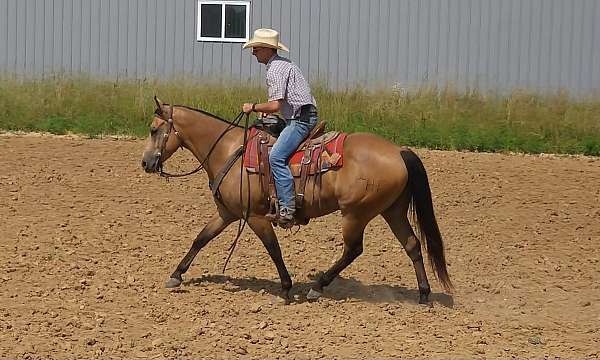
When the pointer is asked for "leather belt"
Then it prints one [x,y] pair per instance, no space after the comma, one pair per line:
[306,111]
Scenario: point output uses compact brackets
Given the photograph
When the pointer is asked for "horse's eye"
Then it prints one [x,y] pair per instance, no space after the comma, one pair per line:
[153,131]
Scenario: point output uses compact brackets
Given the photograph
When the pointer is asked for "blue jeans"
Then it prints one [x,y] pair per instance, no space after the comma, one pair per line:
[288,141]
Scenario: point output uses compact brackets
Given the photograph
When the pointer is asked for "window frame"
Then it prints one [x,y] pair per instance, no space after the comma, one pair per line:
[223,3]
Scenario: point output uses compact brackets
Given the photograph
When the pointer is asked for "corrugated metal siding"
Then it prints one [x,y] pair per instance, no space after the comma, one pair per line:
[486,44]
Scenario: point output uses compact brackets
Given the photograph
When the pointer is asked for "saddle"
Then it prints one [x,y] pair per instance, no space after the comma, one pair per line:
[319,153]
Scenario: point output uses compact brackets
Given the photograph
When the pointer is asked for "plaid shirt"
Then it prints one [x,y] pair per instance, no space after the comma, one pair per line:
[285,82]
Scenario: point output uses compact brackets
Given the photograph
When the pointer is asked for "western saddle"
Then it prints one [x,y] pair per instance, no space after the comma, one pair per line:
[319,152]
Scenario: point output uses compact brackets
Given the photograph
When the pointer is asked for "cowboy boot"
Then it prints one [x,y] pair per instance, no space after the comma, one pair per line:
[286,217]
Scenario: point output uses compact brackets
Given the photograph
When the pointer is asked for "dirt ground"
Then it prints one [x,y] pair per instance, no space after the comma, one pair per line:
[88,240]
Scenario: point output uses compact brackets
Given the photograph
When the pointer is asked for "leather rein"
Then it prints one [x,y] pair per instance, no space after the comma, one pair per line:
[215,187]
[171,128]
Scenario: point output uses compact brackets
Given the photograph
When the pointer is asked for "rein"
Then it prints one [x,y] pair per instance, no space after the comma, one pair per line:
[245,217]
[231,125]
[235,123]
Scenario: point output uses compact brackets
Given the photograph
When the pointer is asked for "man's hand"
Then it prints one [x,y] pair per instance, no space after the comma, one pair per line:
[267,108]
[247,108]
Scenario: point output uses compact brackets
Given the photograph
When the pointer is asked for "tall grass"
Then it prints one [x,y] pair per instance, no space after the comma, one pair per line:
[433,118]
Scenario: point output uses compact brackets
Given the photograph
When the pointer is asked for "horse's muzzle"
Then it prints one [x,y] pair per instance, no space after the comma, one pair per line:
[151,164]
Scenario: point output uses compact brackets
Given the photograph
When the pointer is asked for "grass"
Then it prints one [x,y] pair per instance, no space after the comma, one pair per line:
[432,118]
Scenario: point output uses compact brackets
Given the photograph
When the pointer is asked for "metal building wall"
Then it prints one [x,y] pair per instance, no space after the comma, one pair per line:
[487,44]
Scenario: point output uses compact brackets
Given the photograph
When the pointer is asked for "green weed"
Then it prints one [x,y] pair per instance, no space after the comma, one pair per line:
[430,117]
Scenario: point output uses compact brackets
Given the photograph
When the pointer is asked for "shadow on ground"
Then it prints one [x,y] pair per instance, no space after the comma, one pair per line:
[340,289]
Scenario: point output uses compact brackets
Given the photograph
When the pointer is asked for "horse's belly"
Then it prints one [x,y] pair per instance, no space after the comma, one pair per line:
[319,194]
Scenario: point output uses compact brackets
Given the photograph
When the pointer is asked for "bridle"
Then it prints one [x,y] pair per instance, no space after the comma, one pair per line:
[165,139]
[171,128]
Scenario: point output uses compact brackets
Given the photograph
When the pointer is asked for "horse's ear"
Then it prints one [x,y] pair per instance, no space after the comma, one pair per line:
[159,104]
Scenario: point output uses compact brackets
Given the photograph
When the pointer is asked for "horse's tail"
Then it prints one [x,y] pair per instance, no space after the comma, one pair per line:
[421,204]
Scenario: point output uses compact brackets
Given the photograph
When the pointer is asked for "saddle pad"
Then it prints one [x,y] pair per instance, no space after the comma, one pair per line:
[325,157]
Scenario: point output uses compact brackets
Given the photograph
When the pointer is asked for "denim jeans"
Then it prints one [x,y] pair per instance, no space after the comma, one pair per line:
[288,141]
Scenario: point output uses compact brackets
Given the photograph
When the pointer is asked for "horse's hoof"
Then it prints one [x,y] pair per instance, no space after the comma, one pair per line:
[313,294]
[425,302]
[278,300]
[172,283]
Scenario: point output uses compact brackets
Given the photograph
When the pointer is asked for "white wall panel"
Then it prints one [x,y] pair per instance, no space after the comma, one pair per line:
[487,44]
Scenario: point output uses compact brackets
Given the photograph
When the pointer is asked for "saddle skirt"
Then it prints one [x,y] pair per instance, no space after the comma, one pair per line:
[318,155]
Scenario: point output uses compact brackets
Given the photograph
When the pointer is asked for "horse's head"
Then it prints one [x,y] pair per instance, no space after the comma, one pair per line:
[163,140]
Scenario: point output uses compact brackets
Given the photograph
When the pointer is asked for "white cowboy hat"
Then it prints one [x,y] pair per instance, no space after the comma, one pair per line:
[265,38]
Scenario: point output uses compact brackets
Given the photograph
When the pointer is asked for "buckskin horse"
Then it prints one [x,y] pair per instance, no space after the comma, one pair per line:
[377,178]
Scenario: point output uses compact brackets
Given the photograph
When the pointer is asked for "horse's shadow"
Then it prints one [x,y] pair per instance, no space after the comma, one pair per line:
[340,289]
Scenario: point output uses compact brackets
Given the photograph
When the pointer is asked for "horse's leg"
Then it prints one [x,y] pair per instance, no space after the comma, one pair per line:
[214,227]
[396,218]
[264,230]
[353,228]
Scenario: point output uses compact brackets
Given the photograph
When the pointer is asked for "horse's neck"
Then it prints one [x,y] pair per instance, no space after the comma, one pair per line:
[204,131]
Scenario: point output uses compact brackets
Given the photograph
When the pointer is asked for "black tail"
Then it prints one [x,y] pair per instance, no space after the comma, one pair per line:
[421,203]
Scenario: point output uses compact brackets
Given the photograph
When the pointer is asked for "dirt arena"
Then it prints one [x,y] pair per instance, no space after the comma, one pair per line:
[88,240]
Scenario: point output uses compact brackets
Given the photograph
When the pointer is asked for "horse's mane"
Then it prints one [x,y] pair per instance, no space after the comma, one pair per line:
[203,112]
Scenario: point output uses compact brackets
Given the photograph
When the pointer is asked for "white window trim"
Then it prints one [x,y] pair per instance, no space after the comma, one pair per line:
[222,38]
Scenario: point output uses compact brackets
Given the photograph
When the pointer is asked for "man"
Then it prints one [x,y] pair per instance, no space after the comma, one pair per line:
[289,94]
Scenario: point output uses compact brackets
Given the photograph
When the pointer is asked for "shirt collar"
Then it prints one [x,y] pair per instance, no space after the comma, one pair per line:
[270,60]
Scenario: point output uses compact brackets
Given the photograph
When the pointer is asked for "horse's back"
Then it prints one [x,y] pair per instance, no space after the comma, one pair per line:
[371,154]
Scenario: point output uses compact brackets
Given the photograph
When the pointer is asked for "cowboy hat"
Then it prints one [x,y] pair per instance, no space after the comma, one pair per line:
[265,38]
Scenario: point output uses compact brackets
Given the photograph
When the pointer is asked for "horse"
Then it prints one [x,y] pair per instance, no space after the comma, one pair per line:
[378,177]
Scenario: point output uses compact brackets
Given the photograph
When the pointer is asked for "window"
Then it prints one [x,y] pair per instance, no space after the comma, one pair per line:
[223,20]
